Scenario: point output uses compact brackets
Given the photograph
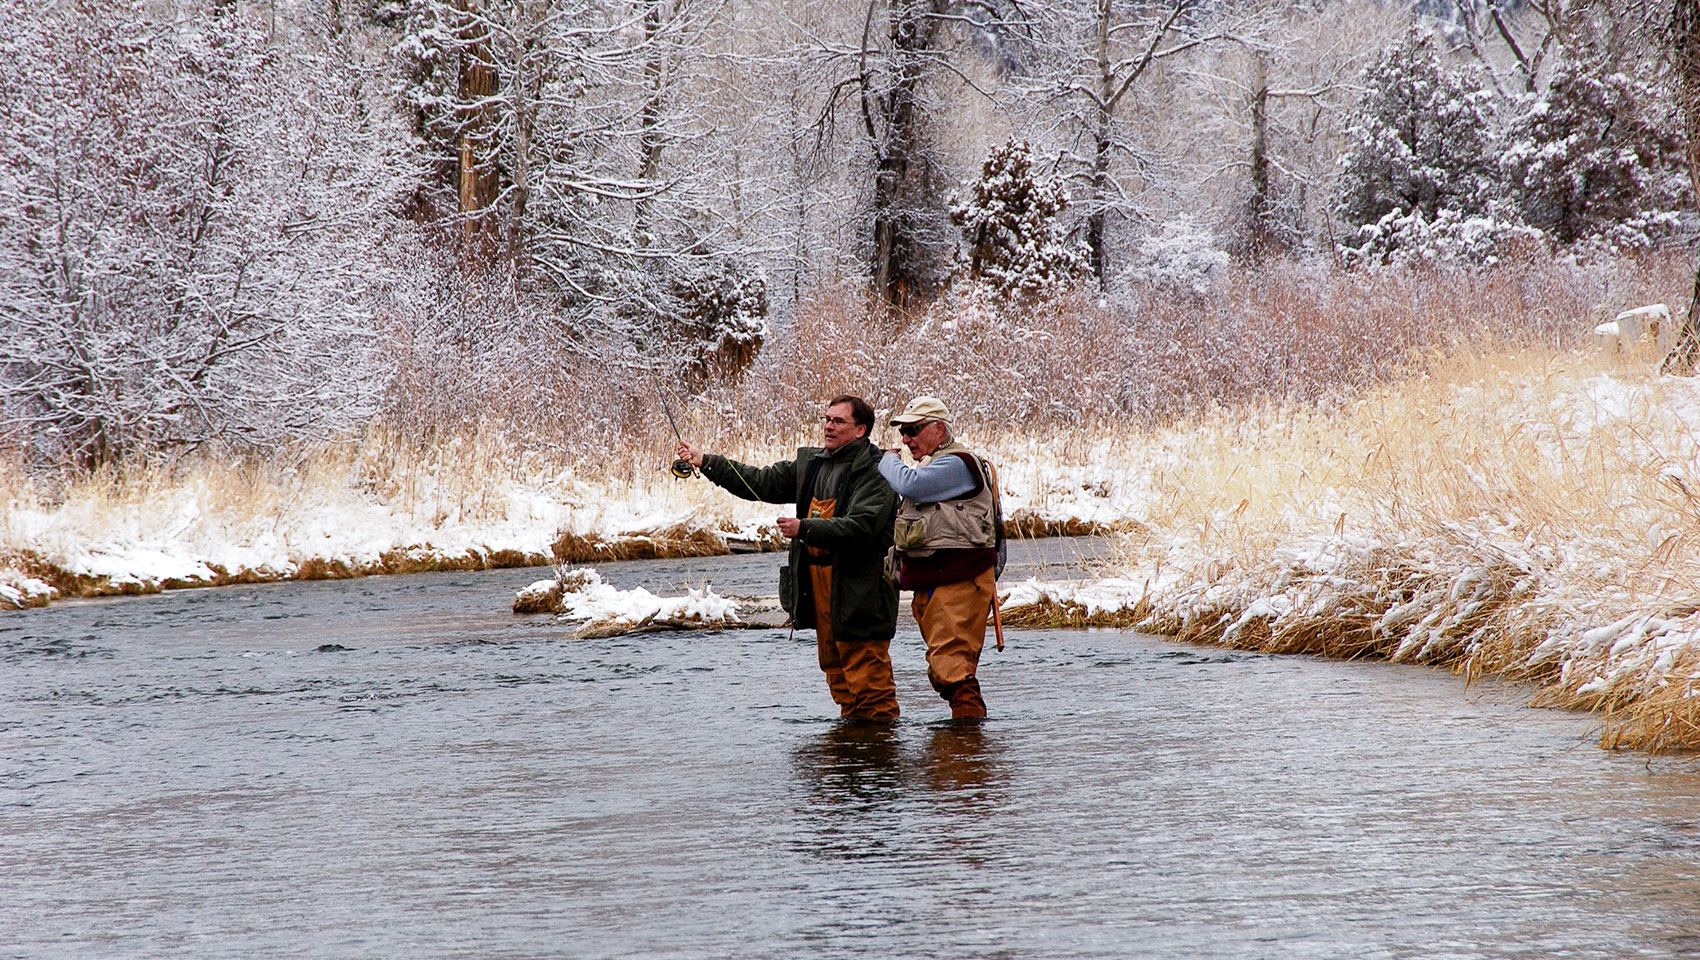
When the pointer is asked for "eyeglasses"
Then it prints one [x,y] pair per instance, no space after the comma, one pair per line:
[911,429]
[838,420]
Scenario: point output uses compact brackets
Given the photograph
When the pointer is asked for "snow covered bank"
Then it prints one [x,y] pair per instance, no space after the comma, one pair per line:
[375,511]
[1472,605]
[194,531]
[1533,518]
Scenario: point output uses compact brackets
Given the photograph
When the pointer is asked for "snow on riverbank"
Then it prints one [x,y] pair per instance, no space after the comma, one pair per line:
[1473,605]
[354,516]
[580,595]
[1518,519]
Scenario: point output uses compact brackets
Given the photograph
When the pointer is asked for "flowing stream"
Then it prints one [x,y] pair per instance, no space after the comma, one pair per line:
[399,767]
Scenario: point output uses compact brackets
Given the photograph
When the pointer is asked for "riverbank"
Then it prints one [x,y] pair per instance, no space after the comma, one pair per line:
[1528,514]
[1533,516]
[378,507]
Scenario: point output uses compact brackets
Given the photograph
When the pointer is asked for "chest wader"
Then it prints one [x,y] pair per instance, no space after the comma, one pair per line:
[858,674]
[953,615]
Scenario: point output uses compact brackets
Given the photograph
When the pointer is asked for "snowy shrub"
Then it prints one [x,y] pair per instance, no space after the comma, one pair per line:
[1419,144]
[1410,239]
[1584,163]
[1010,225]
[1183,256]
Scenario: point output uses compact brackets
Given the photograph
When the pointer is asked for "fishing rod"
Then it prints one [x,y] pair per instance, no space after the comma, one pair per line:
[681,468]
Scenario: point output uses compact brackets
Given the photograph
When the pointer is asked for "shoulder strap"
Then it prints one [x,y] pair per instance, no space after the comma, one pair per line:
[976,469]
[990,477]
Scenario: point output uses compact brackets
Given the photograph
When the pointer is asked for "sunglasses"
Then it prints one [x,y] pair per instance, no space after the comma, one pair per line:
[911,429]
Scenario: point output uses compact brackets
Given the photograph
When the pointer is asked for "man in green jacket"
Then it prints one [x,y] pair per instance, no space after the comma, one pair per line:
[835,580]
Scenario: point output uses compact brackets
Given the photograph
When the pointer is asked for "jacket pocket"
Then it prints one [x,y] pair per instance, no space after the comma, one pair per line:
[908,533]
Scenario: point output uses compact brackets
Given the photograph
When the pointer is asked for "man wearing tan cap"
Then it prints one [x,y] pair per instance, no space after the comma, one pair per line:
[949,544]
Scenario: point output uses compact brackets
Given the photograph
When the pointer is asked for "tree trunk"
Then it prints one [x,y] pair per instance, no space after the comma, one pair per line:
[1258,212]
[1101,149]
[1685,60]
[1681,359]
[901,172]
[478,174]
[524,117]
[649,125]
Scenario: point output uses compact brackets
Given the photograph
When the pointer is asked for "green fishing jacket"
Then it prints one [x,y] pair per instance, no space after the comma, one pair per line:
[863,602]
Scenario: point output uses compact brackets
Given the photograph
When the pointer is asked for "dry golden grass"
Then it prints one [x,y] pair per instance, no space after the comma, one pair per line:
[1523,513]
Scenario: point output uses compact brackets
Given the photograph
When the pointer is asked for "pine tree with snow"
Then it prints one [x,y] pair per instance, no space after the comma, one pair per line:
[1583,161]
[1009,222]
[1420,146]
[722,321]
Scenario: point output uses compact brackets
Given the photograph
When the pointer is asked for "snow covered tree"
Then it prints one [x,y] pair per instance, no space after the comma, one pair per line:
[1009,222]
[195,233]
[1421,138]
[449,82]
[1289,124]
[1419,153]
[724,322]
[1583,162]
[910,246]
[584,136]
[1183,257]
[1098,57]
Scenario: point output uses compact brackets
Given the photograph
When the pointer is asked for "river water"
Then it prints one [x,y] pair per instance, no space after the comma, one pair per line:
[399,767]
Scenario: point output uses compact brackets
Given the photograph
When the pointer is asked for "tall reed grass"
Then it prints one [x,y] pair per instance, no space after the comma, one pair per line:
[1526,513]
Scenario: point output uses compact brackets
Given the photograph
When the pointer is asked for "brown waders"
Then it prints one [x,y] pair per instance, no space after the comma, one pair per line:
[858,673]
[953,622]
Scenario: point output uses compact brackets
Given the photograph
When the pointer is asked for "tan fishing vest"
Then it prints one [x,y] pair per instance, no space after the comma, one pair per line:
[958,524]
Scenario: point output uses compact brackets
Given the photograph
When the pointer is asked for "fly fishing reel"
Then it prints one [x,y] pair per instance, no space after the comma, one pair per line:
[681,468]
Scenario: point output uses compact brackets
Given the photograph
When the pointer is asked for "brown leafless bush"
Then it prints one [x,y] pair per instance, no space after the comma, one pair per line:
[1289,332]
[484,358]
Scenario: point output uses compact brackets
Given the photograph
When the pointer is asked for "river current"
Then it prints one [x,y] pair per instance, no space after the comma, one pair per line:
[399,767]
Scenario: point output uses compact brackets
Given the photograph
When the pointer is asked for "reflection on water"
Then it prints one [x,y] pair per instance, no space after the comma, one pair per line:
[400,767]
[853,762]
[850,764]
[860,773]
[961,764]
[865,784]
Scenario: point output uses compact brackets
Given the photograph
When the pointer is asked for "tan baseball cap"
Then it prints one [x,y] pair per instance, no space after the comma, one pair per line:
[922,408]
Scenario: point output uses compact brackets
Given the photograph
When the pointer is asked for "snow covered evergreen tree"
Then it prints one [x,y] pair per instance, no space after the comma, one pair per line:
[1583,161]
[724,322]
[1015,244]
[1418,169]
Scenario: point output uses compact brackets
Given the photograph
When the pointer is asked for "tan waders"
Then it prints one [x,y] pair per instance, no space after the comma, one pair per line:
[953,622]
[858,673]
